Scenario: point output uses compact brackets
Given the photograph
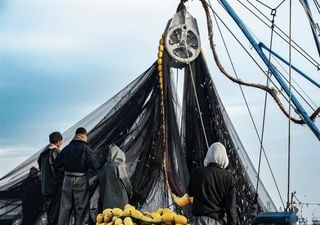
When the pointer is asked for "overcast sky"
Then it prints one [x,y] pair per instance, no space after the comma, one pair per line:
[59,60]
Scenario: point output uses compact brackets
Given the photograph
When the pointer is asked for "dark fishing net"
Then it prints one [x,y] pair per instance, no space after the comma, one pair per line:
[161,146]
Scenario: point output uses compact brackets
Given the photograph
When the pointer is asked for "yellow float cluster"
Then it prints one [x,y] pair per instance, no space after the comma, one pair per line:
[131,216]
[160,56]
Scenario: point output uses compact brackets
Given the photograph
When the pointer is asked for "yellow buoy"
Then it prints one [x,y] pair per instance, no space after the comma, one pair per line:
[159,68]
[118,221]
[107,218]
[180,219]
[168,216]
[156,217]
[160,211]
[127,221]
[137,214]
[99,218]
[161,48]
[128,206]
[166,210]
[117,212]
[107,212]
[127,211]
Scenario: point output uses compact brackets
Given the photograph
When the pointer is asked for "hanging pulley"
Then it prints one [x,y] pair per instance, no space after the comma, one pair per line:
[182,40]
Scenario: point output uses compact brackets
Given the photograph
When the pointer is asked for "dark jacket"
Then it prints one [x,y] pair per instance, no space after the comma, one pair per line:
[51,179]
[114,181]
[76,157]
[213,189]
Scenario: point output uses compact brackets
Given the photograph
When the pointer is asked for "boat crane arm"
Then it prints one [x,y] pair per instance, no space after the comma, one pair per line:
[313,26]
[300,109]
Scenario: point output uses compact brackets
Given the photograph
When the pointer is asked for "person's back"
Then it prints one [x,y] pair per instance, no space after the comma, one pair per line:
[115,186]
[51,179]
[76,159]
[210,187]
[213,190]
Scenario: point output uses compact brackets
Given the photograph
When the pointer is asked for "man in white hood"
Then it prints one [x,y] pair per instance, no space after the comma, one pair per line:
[212,190]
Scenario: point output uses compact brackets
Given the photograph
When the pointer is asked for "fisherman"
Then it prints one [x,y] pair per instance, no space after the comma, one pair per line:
[212,190]
[51,179]
[77,160]
[115,186]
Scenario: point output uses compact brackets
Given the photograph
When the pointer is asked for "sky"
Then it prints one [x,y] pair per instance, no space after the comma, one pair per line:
[59,60]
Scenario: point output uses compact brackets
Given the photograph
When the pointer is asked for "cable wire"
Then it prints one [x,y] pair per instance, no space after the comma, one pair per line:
[296,46]
[271,91]
[265,98]
[196,96]
[249,111]
[289,122]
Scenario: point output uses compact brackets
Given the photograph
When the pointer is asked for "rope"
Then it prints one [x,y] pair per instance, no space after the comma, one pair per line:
[289,122]
[316,3]
[195,90]
[163,125]
[272,9]
[312,107]
[297,48]
[307,11]
[273,13]
[196,96]
[250,114]
[271,91]
[253,59]
[313,116]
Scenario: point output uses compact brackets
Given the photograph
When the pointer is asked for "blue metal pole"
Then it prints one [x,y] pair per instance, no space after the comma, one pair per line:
[262,45]
[272,68]
[312,25]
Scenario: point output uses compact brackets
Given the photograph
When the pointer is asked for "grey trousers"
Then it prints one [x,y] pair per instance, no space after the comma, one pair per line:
[75,196]
[204,220]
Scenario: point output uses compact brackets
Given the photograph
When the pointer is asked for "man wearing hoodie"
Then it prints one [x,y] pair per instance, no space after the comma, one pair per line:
[51,179]
[114,181]
[212,190]
[76,160]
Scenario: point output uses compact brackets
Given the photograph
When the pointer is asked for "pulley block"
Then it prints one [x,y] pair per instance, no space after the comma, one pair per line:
[182,40]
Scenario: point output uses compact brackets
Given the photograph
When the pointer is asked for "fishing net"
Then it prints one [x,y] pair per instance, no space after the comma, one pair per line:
[163,138]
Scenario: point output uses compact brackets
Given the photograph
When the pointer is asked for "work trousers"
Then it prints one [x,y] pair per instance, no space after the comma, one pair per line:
[205,220]
[52,207]
[75,196]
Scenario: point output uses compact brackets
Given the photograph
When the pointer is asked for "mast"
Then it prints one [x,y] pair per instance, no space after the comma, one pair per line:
[272,68]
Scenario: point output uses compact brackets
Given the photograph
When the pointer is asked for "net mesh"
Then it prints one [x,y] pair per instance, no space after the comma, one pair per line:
[159,162]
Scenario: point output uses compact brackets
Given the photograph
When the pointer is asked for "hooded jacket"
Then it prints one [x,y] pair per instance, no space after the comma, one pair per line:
[115,186]
[213,188]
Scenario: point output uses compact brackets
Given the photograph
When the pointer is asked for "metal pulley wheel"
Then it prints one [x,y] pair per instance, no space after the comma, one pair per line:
[182,39]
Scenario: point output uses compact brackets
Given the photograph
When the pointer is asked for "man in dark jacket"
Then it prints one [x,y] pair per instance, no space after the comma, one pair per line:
[114,181]
[51,179]
[213,189]
[76,159]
